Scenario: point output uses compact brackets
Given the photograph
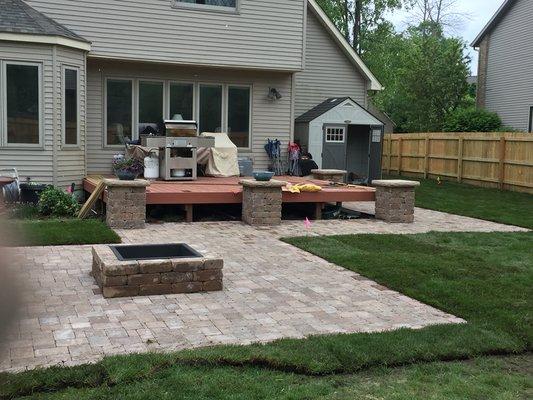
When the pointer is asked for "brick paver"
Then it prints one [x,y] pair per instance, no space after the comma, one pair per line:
[272,290]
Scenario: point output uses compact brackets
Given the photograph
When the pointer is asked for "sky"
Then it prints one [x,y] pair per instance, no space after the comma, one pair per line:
[477,13]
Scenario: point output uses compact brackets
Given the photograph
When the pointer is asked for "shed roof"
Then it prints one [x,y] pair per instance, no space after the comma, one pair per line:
[320,109]
[17,17]
[496,18]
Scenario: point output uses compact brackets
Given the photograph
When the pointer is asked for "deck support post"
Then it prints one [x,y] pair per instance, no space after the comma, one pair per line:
[395,200]
[318,211]
[261,202]
[189,214]
[126,203]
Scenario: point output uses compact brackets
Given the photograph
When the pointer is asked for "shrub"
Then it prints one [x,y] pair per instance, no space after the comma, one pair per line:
[472,120]
[55,202]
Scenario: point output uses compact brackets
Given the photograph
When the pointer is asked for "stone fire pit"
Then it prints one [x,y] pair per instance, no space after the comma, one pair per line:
[126,271]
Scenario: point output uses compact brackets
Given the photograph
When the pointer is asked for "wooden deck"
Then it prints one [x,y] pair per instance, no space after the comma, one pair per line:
[229,191]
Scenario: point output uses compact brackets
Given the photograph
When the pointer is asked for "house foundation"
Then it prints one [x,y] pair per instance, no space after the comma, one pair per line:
[395,200]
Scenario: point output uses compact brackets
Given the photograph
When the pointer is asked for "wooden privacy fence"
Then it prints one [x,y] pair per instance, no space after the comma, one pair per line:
[503,160]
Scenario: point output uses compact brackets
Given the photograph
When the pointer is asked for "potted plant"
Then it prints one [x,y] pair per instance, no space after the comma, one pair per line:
[30,191]
[127,169]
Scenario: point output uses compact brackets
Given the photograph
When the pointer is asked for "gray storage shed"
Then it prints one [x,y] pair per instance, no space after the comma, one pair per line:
[340,134]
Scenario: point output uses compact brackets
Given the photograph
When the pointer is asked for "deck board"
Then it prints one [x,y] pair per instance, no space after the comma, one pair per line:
[208,190]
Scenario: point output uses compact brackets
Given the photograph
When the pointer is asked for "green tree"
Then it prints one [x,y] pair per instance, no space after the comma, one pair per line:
[358,18]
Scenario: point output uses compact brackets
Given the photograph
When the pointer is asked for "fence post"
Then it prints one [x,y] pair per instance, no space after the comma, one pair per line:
[400,155]
[460,160]
[502,162]
[390,151]
[426,157]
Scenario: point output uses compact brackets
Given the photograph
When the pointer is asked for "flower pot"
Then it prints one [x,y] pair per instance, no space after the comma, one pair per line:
[30,193]
[125,175]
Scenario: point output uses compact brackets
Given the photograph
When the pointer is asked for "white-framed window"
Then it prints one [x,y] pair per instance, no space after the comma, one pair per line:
[21,102]
[132,104]
[239,119]
[119,103]
[335,134]
[71,106]
[151,107]
[208,5]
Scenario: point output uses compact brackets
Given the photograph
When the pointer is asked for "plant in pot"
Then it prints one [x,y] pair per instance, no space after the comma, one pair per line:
[127,169]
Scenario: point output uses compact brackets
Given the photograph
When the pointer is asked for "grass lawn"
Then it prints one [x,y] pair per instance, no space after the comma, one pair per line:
[506,207]
[485,378]
[57,232]
[486,279]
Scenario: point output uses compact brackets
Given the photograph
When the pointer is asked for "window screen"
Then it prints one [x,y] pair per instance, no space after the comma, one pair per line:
[150,105]
[181,100]
[71,106]
[210,108]
[119,111]
[22,96]
[239,115]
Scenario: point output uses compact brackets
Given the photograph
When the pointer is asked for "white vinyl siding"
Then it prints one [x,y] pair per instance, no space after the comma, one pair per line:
[268,120]
[328,71]
[509,84]
[262,35]
[34,162]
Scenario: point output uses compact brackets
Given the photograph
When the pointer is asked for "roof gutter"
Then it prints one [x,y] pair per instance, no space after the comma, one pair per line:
[345,46]
[45,39]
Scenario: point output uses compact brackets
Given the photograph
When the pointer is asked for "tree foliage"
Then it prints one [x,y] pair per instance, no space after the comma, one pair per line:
[472,119]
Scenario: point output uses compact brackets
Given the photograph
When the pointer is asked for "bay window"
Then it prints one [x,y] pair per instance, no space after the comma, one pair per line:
[70,107]
[119,115]
[23,103]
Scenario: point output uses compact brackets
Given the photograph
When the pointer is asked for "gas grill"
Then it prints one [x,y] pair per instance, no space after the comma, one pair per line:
[178,150]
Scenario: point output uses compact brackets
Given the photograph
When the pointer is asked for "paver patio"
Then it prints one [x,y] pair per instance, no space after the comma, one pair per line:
[272,290]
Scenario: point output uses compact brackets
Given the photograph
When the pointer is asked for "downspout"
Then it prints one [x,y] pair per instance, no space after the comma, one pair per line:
[54,116]
[85,75]
[293,101]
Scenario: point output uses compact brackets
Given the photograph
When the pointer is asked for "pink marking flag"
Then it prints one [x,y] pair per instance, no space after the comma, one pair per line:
[307,223]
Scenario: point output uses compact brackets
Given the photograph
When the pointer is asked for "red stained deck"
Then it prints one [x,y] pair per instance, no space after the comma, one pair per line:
[229,191]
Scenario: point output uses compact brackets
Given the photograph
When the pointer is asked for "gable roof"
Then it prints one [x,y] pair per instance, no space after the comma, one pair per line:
[496,18]
[17,18]
[344,45]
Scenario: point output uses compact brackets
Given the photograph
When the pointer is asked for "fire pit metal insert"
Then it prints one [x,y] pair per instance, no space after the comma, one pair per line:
[154,252]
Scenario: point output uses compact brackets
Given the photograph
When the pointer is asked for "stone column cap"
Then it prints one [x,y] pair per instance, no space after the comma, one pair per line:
[328,171]
[398,183]
[260,184]
[118,183]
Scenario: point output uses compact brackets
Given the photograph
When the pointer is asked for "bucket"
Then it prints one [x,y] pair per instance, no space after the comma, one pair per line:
[151,166]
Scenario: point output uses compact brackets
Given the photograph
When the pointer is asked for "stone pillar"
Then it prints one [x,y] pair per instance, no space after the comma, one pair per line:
[126,203]
[395,200]
[261,202]
[332,175]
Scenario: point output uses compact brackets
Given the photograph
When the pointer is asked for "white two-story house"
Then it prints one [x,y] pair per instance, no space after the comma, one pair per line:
[78,76]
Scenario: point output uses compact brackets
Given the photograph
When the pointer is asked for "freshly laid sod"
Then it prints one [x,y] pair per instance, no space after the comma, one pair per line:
[505,207]
[485,378]
[57,232]
[486,279]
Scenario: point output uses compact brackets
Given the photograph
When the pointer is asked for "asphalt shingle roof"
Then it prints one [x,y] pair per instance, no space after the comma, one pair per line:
[321,109]
[18,17]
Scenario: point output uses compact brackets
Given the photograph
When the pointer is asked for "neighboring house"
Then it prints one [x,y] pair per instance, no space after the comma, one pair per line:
[79,76]
[505,72]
